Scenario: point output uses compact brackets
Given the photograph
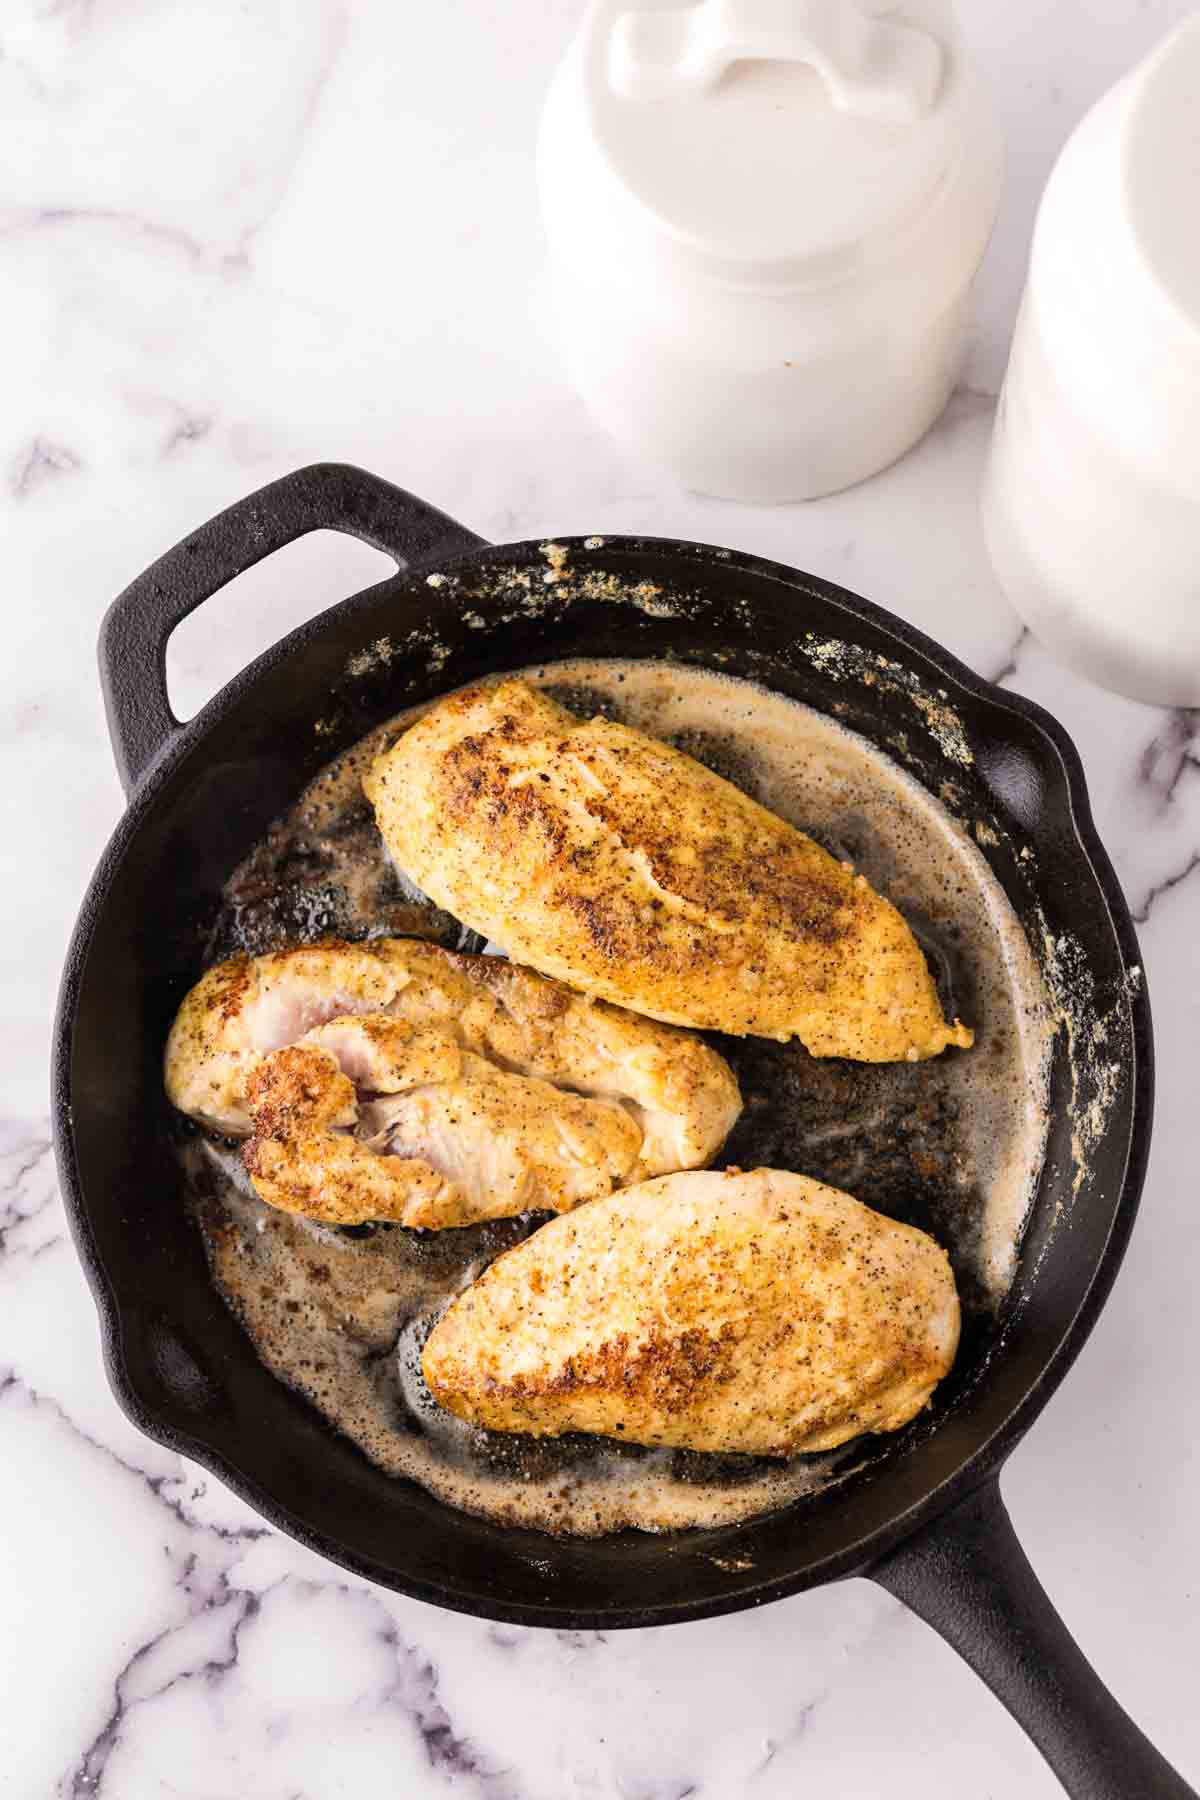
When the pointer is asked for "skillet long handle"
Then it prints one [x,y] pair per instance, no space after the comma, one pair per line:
[968,1577]
[138,624]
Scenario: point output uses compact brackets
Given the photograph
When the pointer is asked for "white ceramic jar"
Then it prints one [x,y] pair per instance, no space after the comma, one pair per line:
[764,217]
[1091,501]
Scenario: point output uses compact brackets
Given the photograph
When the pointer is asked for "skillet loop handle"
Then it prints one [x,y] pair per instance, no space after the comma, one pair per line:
[968,1577]
[138,624]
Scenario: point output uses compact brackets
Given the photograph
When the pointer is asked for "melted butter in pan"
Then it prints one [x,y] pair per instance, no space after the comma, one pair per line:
[954,1145]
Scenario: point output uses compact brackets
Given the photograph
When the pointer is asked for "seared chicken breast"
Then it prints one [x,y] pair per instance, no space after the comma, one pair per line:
[611,861]
[396,1080]
[755,1312]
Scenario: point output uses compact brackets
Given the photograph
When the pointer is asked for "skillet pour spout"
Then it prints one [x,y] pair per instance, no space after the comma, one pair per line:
[923,1516]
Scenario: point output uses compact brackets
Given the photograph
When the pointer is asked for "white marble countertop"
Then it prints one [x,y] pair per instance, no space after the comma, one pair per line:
[246,235]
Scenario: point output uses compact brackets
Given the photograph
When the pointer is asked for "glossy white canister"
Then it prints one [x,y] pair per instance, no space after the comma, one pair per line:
[1091,500]
[764,218]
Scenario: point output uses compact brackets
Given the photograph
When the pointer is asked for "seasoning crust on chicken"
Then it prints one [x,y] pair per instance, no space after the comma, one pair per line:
[609,860]
[396,1080]
[756,1312]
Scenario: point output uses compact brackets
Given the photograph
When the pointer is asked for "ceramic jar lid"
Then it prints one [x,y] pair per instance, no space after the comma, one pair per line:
[779,139]
[1162,184]
[1114,283]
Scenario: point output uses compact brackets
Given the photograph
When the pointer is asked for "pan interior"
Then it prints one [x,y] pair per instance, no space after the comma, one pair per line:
[953,1145]
[183,1368]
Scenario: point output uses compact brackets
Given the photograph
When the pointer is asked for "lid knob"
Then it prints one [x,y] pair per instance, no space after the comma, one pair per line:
[873,67]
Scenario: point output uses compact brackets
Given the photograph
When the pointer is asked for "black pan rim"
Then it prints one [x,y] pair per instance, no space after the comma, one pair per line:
[980,1463]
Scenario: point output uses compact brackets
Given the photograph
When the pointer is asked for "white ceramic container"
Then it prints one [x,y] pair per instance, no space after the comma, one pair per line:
[1091,501]
[764,217]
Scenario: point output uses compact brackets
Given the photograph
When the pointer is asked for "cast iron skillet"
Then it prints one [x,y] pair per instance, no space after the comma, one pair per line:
[926,1520]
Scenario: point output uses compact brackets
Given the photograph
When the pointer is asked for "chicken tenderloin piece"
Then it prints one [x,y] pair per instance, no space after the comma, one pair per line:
[472,1143]
[396,1080]
[609,860]
[304,1102]
[759,1312]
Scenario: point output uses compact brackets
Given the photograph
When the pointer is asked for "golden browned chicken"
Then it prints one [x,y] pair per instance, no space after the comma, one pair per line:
[606,858]
[396,1080]
[759,1312]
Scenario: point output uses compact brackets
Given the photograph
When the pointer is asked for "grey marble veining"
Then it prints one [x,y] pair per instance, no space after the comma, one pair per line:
[239,237]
